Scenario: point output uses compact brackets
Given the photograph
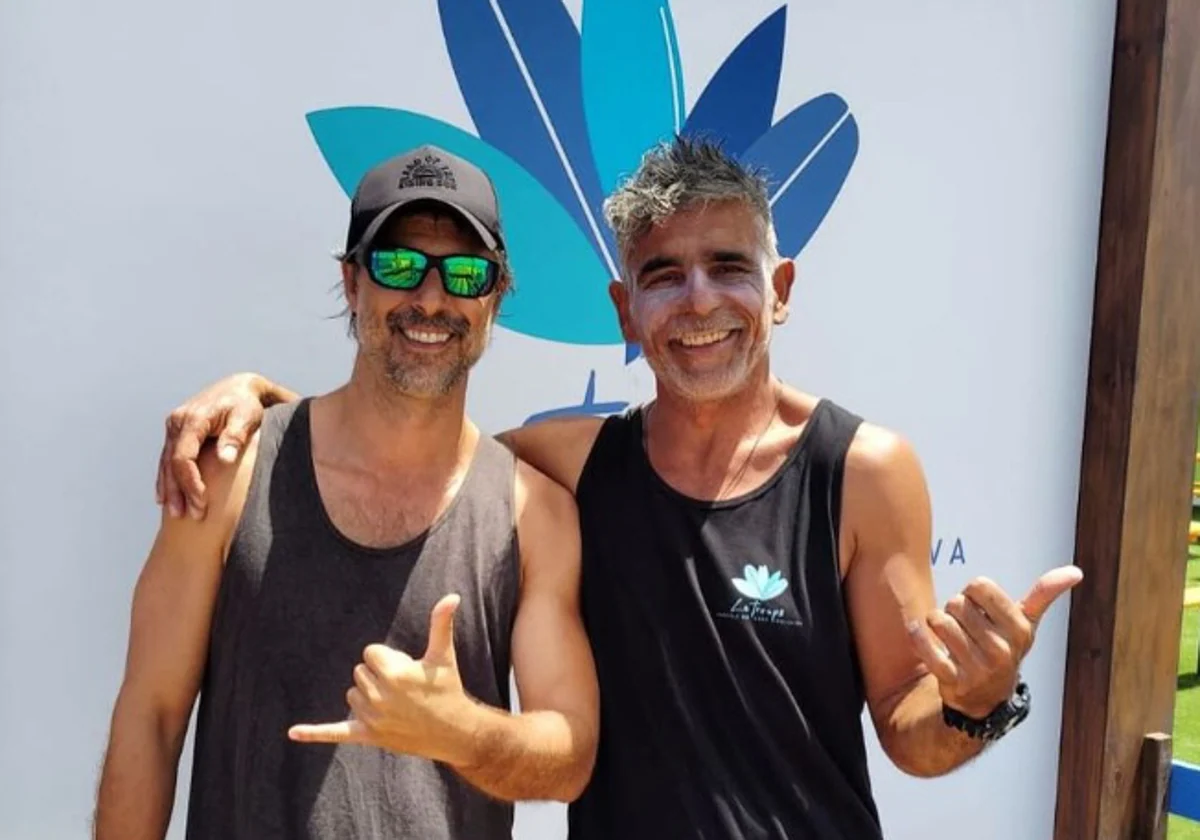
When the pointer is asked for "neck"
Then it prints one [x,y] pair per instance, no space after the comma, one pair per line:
[387,430]
[701,431]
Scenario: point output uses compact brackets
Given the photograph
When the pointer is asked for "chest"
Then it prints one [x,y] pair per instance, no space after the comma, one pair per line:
[382,511]
[770,565]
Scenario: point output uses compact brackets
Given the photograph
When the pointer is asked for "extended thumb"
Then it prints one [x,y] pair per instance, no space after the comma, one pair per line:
[1047,590]
[441,629]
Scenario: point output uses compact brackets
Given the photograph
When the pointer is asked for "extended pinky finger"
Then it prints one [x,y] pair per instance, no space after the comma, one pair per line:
[342,732]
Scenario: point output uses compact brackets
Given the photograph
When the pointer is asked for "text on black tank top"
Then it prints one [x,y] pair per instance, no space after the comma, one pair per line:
[731,698]
[297,605]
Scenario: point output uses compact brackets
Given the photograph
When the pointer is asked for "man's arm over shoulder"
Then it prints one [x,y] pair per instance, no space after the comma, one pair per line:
[168,641]
[558,448]
[548,751]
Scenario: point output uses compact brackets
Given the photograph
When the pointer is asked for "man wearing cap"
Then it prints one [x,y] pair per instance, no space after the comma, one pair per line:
[371,567]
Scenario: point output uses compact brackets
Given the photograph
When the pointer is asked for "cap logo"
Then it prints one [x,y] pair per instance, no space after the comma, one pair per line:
[428,171]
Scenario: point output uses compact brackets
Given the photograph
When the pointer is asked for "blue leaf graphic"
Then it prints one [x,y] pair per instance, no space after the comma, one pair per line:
[632,82]
[589,406]
[738,104]
[518,67]
[807,155]
[562,287]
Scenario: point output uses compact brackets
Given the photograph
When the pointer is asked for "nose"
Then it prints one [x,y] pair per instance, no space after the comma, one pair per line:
[430,297]
[702,295]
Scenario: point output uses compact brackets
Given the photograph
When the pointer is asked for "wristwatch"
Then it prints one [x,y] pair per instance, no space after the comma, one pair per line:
[1002,720]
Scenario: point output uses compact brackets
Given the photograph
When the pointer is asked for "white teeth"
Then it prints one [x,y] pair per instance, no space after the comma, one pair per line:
[701,339]
[426,337]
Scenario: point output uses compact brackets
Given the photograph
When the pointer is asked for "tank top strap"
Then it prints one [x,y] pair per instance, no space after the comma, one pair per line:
[826,443]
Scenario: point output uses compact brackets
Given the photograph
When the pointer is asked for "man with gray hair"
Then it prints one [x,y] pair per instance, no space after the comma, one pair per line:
[756,558]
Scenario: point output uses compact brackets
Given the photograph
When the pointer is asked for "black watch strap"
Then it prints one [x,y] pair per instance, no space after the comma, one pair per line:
[1002,720]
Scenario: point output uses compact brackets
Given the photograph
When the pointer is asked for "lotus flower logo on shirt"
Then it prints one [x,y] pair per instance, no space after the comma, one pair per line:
[563,113]
[760,583]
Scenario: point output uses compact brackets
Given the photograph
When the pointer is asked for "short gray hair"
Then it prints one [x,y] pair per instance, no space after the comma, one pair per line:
[680,174]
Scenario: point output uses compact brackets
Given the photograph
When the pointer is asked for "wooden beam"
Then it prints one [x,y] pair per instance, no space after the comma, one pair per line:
[1140,425]
[1150,801]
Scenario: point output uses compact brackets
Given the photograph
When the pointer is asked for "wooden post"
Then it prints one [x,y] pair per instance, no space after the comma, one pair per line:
[1140,425]
[1154,775]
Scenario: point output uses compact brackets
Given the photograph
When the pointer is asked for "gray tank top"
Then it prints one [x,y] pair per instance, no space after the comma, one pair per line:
[298,602]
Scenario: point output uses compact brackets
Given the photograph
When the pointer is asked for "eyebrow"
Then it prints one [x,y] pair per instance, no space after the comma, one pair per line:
[655,263]
[728,256]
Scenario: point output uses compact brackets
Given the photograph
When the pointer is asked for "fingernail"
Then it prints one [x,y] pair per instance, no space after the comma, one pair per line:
[228,453]
[174,510]
[913,627]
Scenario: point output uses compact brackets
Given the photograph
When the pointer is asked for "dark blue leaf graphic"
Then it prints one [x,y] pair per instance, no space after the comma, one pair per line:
[807,156]
[738,104]
[518,67]
[588,406]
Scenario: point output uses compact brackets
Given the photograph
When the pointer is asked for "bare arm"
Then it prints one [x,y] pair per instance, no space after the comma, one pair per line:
[171,615]
[916,658]
[558,448]
[419,706]
[890,584]
[547,751]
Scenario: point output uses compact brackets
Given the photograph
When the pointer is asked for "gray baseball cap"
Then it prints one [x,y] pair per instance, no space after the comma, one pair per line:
[427,173]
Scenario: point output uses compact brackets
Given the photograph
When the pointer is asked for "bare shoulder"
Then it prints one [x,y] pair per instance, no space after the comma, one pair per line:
[885,492]
[558,448]
[547,522]
[879,455]
[540,496]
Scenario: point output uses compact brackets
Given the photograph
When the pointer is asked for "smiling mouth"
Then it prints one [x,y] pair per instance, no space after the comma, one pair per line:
[704,339]
[426,336]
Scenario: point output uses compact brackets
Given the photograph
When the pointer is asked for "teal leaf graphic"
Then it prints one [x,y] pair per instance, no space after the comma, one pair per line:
[762,579]
[561,285]
[746,588]
[749,573]
[775,588]
[633,94]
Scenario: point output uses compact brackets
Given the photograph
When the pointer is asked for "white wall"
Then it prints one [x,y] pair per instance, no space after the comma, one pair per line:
[165,218]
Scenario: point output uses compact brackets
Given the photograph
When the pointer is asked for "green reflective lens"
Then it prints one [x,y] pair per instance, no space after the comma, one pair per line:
[463,275]
[400,269]
[466,276]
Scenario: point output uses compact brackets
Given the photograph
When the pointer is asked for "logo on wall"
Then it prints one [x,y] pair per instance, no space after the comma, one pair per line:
[563,113]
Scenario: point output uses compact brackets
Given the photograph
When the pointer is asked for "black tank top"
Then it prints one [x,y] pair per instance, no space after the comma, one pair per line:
[731,699]
[297,605]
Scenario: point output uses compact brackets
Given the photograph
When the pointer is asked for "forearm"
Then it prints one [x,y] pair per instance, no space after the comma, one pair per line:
[534,755]
[915,737]
[137,785]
